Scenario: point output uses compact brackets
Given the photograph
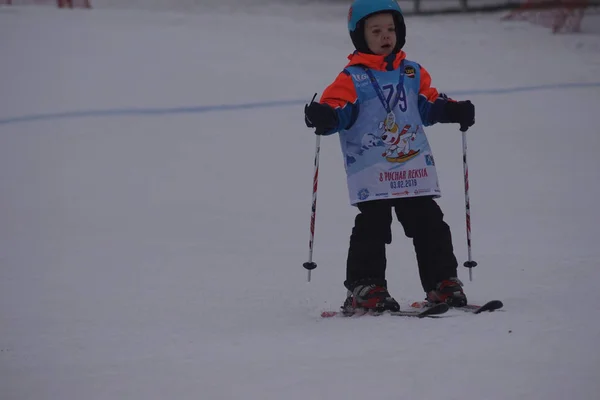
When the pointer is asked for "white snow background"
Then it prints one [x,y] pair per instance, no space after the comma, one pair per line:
[155,190]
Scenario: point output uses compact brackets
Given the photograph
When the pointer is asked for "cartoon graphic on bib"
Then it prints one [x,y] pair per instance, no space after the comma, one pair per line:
[397,141]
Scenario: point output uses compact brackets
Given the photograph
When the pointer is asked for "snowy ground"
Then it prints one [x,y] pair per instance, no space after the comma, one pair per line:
[151,245]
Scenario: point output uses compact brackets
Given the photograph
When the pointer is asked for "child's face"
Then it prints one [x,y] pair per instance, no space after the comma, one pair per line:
[380,33]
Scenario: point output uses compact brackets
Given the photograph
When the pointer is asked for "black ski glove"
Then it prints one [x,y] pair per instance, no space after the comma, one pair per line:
[320,116]
[462,112]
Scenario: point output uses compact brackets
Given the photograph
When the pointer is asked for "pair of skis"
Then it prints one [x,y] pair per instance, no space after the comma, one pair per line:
[429,310]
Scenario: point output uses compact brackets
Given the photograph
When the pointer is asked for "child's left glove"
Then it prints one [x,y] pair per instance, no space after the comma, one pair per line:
[462,112]
[320,116]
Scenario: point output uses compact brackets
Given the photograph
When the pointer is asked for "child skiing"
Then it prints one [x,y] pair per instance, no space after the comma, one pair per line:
[379,104]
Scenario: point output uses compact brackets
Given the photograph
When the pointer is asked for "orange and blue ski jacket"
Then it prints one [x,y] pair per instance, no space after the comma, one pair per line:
[342,95]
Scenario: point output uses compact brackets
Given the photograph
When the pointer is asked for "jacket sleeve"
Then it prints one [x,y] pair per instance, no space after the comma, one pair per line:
[341,96]
[432,104]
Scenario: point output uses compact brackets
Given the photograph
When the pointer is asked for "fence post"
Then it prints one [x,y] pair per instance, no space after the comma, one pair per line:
[417,5]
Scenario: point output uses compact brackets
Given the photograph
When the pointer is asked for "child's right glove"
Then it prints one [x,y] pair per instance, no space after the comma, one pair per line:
[320,116]
[462,112]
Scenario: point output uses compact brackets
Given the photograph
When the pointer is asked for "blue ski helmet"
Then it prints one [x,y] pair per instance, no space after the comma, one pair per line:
[361,9]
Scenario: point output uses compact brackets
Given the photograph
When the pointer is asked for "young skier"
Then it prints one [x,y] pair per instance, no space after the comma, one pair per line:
[379,104]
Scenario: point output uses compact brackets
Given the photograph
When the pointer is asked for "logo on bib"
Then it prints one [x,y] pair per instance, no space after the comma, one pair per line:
[429,159]
[360,77]
[363,194]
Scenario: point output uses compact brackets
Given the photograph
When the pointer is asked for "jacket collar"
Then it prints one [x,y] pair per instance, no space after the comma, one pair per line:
[376,62]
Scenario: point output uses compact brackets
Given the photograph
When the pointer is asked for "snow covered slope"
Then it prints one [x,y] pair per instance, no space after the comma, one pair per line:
[155,178]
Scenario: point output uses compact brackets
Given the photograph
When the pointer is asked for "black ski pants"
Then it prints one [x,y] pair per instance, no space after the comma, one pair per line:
[422,220]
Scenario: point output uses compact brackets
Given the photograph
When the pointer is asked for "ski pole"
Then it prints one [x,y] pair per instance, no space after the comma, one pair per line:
[470,263]
[310,264]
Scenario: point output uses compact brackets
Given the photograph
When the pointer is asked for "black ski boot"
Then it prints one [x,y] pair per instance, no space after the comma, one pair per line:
[448,291]
[369,295]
